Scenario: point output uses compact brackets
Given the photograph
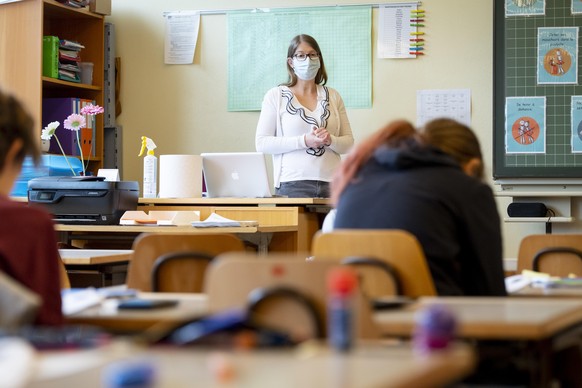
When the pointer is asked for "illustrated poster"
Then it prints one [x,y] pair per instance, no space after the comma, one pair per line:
[557,55]
[525,7]
[576,106]
[525,125]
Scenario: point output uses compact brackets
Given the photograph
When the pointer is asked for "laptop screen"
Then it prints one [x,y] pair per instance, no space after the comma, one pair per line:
[236,174]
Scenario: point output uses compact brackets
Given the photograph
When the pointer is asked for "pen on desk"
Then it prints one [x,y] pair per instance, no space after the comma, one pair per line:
[416,20]
[417,25]
[416,48]
[417,40]
[417,44]
[417,11]
[417,33]
[416,53]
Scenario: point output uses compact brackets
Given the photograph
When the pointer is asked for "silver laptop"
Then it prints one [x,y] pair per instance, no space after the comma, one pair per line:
[236,174]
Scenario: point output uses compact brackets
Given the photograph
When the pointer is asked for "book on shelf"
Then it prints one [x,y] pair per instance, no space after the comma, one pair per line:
[70,76]
[74,3]
[88,134]
[69,58]
[69,55]
[72,45]
[50,56]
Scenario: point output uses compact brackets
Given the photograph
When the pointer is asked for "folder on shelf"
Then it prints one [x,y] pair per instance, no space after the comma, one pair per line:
[89,133]
[50,56]
[58,109]
[159,217]
[86,139]
[70,76]
[69,55]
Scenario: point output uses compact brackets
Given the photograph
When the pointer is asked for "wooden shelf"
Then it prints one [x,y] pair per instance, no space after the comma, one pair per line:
[59,83]
[24,23]
[54,9]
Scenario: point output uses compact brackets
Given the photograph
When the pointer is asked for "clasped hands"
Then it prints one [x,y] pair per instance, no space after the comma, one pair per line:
[318,137]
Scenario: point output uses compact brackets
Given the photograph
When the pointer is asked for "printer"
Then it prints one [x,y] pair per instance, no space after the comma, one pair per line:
[84,200]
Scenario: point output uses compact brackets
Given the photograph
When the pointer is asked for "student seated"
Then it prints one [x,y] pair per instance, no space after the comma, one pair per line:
[428,182]
[28,244]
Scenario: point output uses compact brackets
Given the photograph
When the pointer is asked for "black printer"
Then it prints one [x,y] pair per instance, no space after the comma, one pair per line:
[85,200]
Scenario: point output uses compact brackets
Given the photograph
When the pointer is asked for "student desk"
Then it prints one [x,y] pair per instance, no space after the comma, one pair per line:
[301,215]
[261,235]
[542,325]
[310,365]
[107,316]
[96,267]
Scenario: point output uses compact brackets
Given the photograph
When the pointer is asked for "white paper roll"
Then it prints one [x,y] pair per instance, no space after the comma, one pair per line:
[180,176]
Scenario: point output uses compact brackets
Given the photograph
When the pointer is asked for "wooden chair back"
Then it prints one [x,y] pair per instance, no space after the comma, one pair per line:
[235,280]
[180,271]
[398,248]
[555,254]
[185,276]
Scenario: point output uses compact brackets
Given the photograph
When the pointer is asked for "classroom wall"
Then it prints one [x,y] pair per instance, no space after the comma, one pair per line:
[183,107]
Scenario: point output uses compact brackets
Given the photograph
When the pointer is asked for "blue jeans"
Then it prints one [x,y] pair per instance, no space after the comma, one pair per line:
[304,189]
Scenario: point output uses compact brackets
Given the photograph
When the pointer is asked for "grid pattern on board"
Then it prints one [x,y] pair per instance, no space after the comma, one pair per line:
[257,52]
[521,34]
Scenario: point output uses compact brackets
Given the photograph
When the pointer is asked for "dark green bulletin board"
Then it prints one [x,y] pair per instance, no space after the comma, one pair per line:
[515,75]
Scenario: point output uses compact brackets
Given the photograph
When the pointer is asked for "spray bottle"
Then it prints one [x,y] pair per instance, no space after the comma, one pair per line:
[150,168]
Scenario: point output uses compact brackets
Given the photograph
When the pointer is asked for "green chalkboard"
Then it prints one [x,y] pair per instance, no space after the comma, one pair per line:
[517,76]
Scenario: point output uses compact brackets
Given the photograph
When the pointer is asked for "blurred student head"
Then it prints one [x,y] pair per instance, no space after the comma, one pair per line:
[16,140]
[456,140]
[451,137]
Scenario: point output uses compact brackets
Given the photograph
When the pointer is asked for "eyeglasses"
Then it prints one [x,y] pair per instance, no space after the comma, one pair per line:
[302,57]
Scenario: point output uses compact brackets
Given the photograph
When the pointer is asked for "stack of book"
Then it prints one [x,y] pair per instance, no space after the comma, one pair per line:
[69,58]
[61,58]
[74,3]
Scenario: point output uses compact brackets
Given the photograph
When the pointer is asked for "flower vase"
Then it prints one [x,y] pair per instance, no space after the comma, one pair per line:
[45,146]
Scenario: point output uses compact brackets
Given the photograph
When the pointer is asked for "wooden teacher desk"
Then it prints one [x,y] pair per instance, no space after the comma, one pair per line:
[544,325]
[300,215]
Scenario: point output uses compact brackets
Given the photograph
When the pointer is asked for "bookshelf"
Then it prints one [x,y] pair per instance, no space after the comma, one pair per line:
[24,24]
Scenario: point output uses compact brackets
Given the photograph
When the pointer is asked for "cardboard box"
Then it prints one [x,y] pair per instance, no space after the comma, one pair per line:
[102,7]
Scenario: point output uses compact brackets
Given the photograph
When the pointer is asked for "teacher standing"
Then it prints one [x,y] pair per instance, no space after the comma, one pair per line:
[304,125]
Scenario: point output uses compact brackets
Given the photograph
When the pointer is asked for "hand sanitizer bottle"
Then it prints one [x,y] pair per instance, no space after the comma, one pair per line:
[150,168]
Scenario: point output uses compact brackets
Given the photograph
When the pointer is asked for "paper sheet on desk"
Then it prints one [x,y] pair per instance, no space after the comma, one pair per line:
[215,220]
[76,300]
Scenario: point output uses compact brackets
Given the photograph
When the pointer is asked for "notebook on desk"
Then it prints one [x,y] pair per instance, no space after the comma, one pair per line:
[236,174]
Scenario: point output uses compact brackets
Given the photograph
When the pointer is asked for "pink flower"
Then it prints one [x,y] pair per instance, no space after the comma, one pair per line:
[75,122]
[91,110]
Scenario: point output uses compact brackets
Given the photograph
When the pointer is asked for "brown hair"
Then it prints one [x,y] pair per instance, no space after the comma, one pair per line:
[392,135]
[454,139]
[16,123]
[450,136]
[321,76]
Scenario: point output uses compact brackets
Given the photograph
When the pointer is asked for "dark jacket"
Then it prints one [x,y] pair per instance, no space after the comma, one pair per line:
[453,215]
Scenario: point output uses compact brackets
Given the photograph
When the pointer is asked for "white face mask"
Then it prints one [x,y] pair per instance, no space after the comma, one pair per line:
[307,69]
